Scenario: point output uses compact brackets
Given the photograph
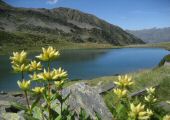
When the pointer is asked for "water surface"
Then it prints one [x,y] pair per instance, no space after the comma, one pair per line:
[91,63]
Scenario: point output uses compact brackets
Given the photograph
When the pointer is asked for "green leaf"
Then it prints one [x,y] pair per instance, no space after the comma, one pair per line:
[66,97]
[98,117]
[59,117]
[37,113]
[28,117]
[54,113]
[121,112]
[35,102]
[58,96]
[18,106]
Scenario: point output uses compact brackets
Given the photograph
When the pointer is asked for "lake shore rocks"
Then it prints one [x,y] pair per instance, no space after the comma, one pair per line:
[167,64]
[88,98]
[165,61]
[7,112]
[81,96]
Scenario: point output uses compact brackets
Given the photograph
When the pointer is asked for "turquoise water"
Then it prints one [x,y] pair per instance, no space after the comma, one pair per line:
[91,63]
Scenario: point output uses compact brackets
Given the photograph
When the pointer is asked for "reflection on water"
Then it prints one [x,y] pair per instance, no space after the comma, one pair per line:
[87,64]
[82,55]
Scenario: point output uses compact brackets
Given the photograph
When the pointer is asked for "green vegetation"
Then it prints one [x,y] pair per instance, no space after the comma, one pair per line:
[120,102]
[38,27]
[165,59]
[165,45]
[47,101]
[145,78]
[7,49]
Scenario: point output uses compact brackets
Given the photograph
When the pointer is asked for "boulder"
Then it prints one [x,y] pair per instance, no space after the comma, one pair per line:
[102,88]
[167,64]
[81,96]
[88,98]
[10,116]
[8,112]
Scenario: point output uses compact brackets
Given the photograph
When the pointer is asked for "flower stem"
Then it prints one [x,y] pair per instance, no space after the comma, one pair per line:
[49,101]
[61,102]
[49,94]
[26,96]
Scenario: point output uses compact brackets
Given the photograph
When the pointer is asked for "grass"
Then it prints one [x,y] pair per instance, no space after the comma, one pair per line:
[146,78]
[142,79]
[9,48]
[165,45]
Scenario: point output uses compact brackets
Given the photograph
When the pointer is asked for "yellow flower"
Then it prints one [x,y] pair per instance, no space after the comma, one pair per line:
[24,85]
[139,112]
[60,73]
[18,58]
[34,76]
[166,117]
[48,54]
[150,90]
[38,90]
[35,66]
[52,75]
[149,112]
[150,98]
[20,68]
[47,75]
[120,93]
[124,81]
[59,84]
[168,102]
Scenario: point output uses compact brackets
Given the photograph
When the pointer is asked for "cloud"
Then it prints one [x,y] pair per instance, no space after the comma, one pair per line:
[52,1]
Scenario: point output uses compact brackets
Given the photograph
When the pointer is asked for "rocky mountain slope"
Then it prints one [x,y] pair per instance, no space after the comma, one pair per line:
[41,26]
[154,35]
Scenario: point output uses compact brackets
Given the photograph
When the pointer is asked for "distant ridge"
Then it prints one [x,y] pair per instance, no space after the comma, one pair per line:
[153,35]
[27,25]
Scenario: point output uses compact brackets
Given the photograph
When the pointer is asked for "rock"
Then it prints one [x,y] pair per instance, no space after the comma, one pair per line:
[7,112]
[165,61]
[167,64]
[164,105]
[105,87]
[11,116]
[4,105]
[5,100]
[88,98]
[82,96]
[142,92]
[3,93]
[17,95]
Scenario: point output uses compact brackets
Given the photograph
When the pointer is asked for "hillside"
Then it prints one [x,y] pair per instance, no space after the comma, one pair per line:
[154,35]
[41,26]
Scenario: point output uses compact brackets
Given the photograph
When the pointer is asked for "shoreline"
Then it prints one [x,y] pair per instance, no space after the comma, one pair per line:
[8,49]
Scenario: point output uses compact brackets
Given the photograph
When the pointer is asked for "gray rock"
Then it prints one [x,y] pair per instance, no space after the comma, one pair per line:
[102,88]
[82,96]
[4,105]
[5,100]
[167,64]
[88,98]
[11,116]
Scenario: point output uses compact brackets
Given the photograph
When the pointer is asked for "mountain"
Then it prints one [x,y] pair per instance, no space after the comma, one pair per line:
[153,35]
[45,26]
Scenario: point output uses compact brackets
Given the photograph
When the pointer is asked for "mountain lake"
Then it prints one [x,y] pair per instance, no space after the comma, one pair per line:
[90,63]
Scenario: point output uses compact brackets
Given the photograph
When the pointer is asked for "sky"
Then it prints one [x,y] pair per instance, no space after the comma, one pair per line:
[128,14]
